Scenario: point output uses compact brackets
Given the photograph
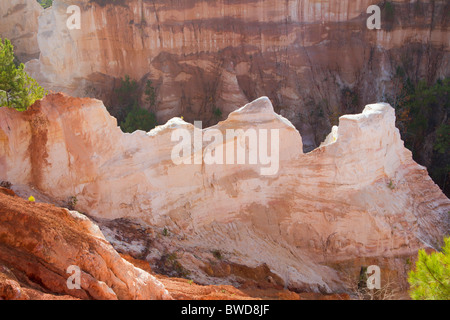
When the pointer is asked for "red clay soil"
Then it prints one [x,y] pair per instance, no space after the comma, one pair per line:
[18,280]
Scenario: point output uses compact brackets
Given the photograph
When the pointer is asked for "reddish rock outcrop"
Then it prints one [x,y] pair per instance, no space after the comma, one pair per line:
[38,242]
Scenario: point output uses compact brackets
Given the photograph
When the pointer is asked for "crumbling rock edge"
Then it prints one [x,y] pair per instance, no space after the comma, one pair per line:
[360,195]
[40,242]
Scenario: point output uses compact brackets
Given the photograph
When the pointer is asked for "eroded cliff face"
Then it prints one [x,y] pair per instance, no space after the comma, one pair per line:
[359,195]
[19,23]
[315,60]
[40,242]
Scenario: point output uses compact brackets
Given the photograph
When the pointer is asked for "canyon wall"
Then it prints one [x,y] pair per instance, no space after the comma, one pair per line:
[358,195]
[316,60]
[19,23]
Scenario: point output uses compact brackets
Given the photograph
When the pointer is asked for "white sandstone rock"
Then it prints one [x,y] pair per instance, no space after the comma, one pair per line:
[360,195]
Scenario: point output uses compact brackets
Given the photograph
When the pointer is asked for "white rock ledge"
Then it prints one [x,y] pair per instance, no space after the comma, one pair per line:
[360,193]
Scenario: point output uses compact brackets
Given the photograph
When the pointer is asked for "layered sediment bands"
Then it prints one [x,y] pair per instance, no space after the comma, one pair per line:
[203,55]
[358,195]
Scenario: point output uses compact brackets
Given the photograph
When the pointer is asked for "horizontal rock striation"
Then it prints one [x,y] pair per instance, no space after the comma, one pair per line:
[306,56]
[358,195]
[38,244]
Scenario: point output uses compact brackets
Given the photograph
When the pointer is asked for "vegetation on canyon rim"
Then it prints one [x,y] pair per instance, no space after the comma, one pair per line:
[127,110]
[17,89]
[421,112]
[422,118]
[45,3]
[431,279]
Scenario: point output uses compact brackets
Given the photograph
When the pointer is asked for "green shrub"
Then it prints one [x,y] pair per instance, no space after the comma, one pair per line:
[431,279]
[126,109]
[46,3]
[72,202]
[391,185]
[217,112]
[389,10]
[17,89]
[124,97]
[127,92]
[150,93]
[442,143]
[170,265]
[138,119]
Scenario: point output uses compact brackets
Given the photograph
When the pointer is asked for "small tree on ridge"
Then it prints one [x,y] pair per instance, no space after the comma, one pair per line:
[17,89]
